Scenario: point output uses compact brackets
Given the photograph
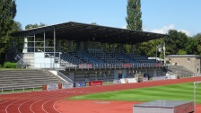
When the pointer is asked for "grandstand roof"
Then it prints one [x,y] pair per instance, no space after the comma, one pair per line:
[89,32]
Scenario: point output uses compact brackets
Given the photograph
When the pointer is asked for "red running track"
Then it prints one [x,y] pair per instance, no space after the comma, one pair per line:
[46,101]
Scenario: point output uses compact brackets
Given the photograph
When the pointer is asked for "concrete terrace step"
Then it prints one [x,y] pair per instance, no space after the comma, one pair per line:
[20,78]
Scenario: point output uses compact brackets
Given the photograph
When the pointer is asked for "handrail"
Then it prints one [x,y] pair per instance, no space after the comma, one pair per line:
[19,87]
[19,63]
[64,77]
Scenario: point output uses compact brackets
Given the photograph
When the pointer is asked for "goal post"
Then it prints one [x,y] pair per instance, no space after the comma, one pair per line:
[196,84]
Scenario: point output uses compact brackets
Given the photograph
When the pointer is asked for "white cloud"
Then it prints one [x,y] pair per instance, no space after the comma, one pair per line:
[124,27]
[165,30]
[145,28]
[185,31]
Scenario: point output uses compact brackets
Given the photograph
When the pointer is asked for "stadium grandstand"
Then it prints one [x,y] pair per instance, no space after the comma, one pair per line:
[86,52]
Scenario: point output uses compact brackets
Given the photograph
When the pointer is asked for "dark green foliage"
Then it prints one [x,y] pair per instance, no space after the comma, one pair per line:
[198,43]
[9,65]
[134,21]
[7,14]
[31,26]
[176,42]
[7,25]
[191,46]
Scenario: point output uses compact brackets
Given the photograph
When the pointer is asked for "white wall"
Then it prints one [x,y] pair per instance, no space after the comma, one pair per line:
[42,62]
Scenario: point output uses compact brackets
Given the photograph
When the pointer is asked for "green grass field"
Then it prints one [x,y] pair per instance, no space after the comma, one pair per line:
[168,92]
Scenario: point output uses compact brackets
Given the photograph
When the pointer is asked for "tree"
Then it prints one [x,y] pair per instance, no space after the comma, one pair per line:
[176,42]
[7,15]
[10,45]
[198,43]
[191,46]
[134,21]
[31,26]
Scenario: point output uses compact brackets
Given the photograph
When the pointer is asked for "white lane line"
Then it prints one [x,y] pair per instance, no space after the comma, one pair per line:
[33,104]
[4,101]
[9,105]
[44,104]
[21,105]
[54,106]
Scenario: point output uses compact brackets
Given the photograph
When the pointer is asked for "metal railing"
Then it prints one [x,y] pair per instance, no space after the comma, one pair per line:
[112,66]
[19,64]
[64,77]
[20,88]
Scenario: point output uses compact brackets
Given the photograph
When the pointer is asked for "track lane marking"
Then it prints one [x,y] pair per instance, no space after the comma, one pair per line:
[55,105]
[10,105]
[4,101]
[21,105]
[33,104]
[43,105]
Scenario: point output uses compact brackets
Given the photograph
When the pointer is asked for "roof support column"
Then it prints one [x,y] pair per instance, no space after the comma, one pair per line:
[70,45]
[81,46]
[104,46]
[122,48]
[113,47]
[46,45]
[58,45]
[25,48]
[85,45]
[54,48]
[34,43]
[77,45]
[44,41]
[132,48]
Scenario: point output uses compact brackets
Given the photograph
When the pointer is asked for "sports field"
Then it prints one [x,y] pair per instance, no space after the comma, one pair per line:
[121,100]
[183,91]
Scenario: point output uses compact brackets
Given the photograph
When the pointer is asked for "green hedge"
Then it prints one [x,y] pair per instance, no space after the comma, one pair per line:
[9,65]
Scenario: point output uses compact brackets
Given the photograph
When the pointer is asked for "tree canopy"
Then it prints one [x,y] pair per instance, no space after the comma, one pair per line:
[197,43]
[134,21]
[7,25]
[7,14]
[31,26]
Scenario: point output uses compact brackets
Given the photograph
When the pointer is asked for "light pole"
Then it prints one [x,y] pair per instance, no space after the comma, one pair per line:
[158,48]
[164,49]
[156,54]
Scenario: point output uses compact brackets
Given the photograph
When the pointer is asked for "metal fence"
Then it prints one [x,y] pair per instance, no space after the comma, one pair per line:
[20,88]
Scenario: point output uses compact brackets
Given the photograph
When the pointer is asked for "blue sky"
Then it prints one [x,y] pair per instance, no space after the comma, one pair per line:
[157,15]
